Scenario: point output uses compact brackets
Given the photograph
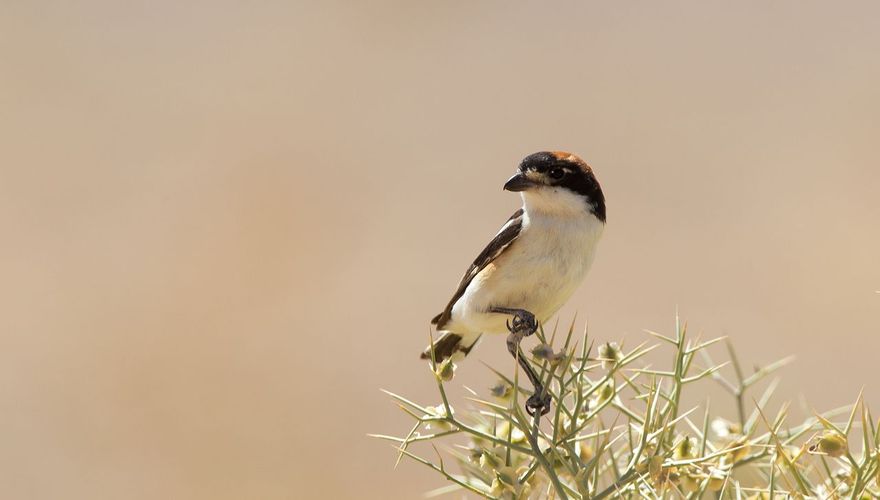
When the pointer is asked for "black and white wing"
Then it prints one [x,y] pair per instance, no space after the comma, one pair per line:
[499,243]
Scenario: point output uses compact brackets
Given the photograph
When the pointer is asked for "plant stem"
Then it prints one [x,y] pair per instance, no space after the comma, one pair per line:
[624,479]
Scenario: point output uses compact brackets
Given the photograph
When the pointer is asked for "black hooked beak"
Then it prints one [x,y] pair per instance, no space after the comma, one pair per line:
[518,182]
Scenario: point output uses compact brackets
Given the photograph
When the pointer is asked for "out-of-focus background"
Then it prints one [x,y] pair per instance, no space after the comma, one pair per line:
[225,225]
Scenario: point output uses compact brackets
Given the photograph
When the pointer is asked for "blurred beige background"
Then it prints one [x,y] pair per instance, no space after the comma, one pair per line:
[225,225]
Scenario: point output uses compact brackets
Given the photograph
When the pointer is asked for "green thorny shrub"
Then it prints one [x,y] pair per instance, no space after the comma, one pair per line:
[618,429]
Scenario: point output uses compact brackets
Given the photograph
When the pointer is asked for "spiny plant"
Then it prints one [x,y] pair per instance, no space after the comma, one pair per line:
[618,430]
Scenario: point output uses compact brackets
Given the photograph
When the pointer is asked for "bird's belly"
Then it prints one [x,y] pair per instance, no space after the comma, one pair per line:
[540,286]
[538,275]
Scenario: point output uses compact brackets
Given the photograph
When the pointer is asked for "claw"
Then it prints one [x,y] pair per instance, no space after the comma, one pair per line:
[537,403]
[524,324]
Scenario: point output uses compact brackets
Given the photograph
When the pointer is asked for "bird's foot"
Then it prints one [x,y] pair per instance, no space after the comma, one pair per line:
[539,403]
[523,324]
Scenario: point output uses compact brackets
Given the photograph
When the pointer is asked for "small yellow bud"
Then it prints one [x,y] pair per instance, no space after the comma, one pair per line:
[601,395]
[739,450]
[446,370]
[586,452]
[685,449]
[609,354]
[606,392]
[831,444]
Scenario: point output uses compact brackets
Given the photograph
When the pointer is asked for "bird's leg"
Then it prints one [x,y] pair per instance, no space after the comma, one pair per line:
[523,325]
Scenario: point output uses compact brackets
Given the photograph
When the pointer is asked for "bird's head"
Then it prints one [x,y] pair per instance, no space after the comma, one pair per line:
[558,182]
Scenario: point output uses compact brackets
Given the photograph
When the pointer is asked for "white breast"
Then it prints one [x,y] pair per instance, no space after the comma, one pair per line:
[538,272]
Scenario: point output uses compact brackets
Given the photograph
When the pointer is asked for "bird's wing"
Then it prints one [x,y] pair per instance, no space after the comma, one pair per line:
[499,243]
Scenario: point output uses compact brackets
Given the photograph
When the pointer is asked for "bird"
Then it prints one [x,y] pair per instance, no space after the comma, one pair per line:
[532,266]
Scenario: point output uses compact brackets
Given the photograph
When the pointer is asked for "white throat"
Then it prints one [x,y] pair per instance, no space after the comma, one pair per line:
[557,201]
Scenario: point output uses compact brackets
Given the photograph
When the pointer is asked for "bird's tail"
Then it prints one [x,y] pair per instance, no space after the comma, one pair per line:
[451,345]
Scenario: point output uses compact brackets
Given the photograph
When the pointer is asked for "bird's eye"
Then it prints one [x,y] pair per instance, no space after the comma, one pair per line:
[557,173]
